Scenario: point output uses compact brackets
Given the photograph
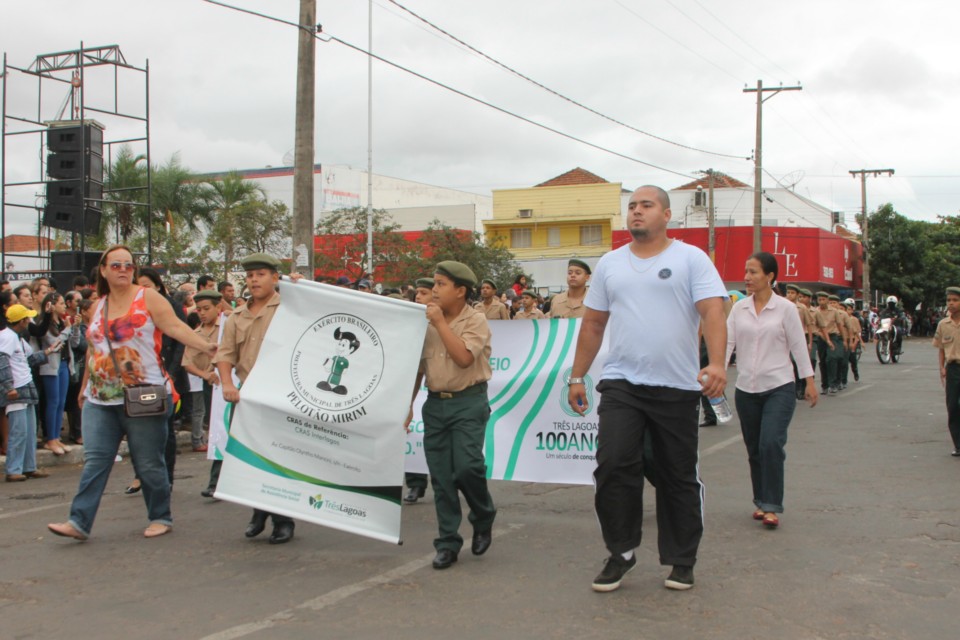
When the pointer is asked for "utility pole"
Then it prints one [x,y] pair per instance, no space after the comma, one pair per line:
[711,217]
[711,222]
[303,144]
[370,139]
[866,243]
[758,153]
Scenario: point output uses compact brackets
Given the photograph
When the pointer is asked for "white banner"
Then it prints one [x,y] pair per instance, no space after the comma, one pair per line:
[532,434]
[318,432]
[219,411]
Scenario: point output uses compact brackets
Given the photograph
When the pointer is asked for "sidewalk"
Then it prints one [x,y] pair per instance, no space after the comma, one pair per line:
[75,455]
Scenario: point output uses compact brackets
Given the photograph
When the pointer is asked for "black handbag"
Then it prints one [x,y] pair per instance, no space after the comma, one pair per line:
[139,400]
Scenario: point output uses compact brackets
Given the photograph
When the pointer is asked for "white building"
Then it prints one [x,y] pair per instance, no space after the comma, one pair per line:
[411,204]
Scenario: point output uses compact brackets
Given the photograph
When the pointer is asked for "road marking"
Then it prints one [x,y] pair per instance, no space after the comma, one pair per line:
[847,394]
[34,510]
[337,595]
[721,445]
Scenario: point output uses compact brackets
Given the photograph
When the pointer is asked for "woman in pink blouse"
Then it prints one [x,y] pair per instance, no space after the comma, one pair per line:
[765,329]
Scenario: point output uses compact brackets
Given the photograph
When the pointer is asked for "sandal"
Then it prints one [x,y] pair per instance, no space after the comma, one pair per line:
[157,529]
[771,521]
[66,530]
[758,514]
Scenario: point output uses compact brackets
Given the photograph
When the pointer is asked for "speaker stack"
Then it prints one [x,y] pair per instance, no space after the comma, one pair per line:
[75,166]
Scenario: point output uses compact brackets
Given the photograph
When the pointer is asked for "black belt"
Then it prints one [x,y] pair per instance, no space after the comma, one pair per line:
[473,390]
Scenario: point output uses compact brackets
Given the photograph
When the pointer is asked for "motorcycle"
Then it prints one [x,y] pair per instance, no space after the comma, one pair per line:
[886,337]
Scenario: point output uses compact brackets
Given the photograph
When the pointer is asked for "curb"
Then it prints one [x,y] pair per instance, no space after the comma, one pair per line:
[75,455]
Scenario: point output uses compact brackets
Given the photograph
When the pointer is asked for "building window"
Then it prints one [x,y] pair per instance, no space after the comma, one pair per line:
[591,234]
[525,213]
[553,236]
[521,238]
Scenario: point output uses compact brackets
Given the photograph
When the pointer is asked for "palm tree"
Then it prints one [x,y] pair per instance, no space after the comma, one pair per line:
[178,198]
[126,183]
[229,199]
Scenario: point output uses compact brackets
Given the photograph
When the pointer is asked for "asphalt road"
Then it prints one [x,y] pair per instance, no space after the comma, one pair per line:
[869,547]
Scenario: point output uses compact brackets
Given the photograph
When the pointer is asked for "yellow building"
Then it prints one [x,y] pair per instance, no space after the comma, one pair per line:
[571,215]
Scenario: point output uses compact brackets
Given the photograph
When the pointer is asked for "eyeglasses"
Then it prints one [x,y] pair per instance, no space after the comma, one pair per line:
[121,266]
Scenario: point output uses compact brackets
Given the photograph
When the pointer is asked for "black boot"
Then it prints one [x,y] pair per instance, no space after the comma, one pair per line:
[282,532]
[257,523]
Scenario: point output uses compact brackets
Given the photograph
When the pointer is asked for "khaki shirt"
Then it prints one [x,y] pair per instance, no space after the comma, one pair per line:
[243,336]
[829,320]
[563,307]
[496,310]
[198,358]
[853,326]
[947,338]
[805,317]
[441,372]
[536,314]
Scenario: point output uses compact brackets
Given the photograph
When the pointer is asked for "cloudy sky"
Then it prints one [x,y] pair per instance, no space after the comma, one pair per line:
[880,89]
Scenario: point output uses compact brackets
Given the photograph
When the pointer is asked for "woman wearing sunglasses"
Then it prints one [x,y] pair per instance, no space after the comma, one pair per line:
[132,318]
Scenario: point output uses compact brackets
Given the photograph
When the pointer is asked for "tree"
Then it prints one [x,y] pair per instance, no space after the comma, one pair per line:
[231,200]
[125,185]
[487,260]
[912,259]
[342,244]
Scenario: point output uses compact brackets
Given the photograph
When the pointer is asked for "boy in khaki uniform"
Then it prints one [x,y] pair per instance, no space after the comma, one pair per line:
[947,341]
[417,482]
[239,348]
[832,335]
[197,363]
[528,308]
[489,305]
[569,304]
[456,364]
[853,341]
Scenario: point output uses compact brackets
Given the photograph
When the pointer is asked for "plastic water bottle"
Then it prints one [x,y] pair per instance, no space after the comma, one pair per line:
[720,406]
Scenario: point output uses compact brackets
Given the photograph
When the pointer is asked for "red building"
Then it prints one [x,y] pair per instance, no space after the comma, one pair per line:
[807,256]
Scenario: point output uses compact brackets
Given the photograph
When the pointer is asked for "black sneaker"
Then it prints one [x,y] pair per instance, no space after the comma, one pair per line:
[613,571]
[681,578]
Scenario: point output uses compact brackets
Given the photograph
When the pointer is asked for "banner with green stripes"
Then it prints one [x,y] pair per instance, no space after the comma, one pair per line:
[533,435]
[318,432]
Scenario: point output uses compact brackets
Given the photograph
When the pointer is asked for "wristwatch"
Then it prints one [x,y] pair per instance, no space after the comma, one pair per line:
[571,381]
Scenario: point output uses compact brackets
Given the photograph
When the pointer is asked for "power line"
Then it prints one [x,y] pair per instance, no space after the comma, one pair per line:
[737,36]
[326,37]
[557,93]
[502,109]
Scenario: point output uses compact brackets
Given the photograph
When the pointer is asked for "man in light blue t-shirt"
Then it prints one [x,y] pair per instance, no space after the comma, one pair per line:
[652,294]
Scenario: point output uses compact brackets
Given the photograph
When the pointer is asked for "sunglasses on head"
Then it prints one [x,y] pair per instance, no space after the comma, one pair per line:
[120,266]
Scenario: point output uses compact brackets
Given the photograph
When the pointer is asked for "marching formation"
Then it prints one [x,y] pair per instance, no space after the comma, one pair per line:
[660,304]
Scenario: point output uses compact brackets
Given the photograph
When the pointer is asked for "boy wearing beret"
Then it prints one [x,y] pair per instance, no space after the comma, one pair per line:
[456,365]
[947,341]
[489,305]
[528,308]
[239,348]
[417,482]
[569,304]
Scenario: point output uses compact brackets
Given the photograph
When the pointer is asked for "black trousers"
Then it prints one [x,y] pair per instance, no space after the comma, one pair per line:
[952,384]
[627,413]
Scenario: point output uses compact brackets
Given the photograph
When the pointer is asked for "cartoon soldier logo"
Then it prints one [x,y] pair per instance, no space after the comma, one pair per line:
[347,344]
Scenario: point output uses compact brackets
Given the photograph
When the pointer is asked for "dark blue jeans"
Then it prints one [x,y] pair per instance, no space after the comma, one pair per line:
[103,428]
[56,401]
[764,418]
